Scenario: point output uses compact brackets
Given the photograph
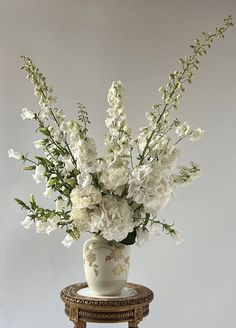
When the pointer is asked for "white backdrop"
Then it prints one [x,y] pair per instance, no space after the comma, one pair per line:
[82,46]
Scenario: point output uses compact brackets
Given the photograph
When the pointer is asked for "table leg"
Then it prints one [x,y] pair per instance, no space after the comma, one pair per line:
[133,324]
[80,324]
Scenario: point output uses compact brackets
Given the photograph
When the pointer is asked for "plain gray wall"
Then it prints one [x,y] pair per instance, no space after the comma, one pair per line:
[82,46]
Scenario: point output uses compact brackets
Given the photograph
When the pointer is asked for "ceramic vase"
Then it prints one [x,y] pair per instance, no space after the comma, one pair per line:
[106,266]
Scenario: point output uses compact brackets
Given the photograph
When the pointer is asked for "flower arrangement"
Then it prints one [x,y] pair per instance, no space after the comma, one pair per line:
[117,195]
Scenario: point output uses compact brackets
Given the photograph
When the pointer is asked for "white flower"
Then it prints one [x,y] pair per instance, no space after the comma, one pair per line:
[155,228]
[87,197]
[60,204]
[68,241]
[27,222]
[113,178]
[69,166]
[84,180]
[14,154]
[48,192]
[118,218]
[177,238]
[27,113]
[38,175]
[183,129]
[38,144]
[186,175]
[150,186]
[87,219]
[41,226]
[115,94]
[52,225]
[196,134]
[141,237]
[86,154]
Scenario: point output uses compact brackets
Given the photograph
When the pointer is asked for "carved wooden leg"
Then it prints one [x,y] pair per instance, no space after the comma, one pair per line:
[133,324]
[80,324]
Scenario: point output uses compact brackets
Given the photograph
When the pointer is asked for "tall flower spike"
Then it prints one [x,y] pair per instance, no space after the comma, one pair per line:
[118,137]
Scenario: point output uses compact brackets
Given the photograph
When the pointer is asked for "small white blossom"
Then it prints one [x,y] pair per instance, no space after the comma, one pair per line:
[68,241]
[142,237]
[52,225]
[177,238]
[86,154]
[69,166]
[38,175]
[196,134]
[27,114]
[27,222]
[41,226]
[183,129]
[48,192]
[84,180]
[60,204]
[14,154]
[155,228]
[38,144]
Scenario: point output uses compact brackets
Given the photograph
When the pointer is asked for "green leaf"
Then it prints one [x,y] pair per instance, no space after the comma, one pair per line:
[21,203]
[29,168]
[130,239]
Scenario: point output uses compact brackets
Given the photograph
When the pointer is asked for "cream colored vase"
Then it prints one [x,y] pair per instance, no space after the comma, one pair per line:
[106,266]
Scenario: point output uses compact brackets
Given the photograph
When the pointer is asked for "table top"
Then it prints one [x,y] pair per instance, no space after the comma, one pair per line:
[133,296]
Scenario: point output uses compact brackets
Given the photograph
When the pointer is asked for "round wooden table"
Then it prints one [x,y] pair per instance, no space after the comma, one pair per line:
[130,307]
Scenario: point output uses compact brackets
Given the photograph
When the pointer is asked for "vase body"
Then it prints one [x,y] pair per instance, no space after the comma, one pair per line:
[106,266]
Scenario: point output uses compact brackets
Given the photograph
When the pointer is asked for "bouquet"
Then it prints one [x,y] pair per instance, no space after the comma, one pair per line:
[119,194]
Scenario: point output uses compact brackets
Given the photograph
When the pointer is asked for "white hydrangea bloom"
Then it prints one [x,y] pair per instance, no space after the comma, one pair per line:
[150,186]
[27,114]
[27,222]
[196,134]
[14,154]
[87,197]
[68,241]
[38,175]
[115,178]
[118,218]
[183,129]
[87,219]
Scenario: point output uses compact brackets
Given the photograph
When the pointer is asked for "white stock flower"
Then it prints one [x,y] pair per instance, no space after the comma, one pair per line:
[27,222]
[41,226]
[196,134]
[113,178]
[87,197]
[115,94]
[38,175]
[86,155]
[150,186]
[177,238]
[141,237]
[14,154]
[183,129]
[68,241]
[38,144]
[27,114]
[118,218]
